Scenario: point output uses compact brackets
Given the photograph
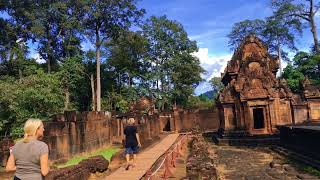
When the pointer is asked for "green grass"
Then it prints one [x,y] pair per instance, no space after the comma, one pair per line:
[105,152]
[304,168]
[312,171]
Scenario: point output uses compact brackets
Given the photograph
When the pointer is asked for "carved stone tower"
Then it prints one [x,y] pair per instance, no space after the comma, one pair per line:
[253,99]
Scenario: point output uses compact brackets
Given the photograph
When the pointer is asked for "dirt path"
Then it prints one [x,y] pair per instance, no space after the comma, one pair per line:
[145,160]
[241,163]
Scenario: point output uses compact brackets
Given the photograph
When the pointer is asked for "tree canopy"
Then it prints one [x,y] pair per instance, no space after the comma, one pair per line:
[118,68]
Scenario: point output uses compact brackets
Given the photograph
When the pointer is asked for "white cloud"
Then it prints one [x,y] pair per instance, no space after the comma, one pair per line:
[214,65]
[205,58]
[37,57]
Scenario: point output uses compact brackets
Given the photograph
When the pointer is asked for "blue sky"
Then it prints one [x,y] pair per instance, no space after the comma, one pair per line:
[209,21]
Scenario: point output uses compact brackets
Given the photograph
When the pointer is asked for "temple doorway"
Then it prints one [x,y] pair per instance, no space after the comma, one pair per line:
[167,127]
[258,118]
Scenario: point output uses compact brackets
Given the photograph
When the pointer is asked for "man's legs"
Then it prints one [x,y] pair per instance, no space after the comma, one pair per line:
[134,159]
[128,158]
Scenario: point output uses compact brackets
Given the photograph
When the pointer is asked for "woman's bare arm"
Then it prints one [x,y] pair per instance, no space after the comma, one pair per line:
[11,165]
[44,164]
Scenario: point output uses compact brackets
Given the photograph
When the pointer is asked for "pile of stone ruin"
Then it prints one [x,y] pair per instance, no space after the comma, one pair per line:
[201,160]
[81,170]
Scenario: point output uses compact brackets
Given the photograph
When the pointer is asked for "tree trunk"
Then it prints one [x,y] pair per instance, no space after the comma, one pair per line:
[315,35]
[120,84]
[314,28]
[20,74]
[129,80]
[67,99]
[93,94]
[280,62]
[98,70]
[49,50]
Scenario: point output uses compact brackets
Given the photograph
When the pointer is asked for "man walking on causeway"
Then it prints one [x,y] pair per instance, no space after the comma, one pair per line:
[132,142]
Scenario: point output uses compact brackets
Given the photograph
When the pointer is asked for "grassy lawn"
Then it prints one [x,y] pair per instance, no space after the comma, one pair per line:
[105,152]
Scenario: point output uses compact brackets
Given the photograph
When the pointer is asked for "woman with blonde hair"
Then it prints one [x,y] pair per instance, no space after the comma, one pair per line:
[29,157]
[132,142]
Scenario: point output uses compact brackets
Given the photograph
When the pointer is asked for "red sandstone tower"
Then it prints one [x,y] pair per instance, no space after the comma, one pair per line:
[253,99]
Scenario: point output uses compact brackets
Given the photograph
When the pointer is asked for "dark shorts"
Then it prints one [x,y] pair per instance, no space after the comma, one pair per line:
[16,178]
[132,150]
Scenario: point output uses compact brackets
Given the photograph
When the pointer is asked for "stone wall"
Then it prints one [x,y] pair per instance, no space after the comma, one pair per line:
[305,112]
[185,120]
[72,133]
[314,109]
[300,113]
[148,128]
[302,139]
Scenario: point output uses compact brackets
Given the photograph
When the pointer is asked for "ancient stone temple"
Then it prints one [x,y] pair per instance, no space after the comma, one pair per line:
[253,99]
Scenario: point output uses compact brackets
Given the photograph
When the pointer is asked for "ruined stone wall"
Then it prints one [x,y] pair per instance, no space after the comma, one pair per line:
[81,170]
[200,162]
[300,113]
[302,139]
[204,119]
[73,133]
[314,110]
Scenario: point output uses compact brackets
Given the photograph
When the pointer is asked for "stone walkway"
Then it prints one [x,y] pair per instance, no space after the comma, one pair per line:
[241,163]
[144,160]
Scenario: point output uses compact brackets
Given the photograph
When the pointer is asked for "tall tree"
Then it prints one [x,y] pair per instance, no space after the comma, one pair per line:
[216,84]
[53,25]
[275,32]
[170,59]
[278,34]
[242,29]
[104,20]
[302,10]
[127,57]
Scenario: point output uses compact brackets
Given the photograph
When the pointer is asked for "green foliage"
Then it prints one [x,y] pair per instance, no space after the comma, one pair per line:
[199,102]
[293,77]
[242,29]
[105,152]
[274,31]
[37,96]
[296,11]
[304,64]
[155,62]
[173,72]
[217,85]
[72,78]
[127,53]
